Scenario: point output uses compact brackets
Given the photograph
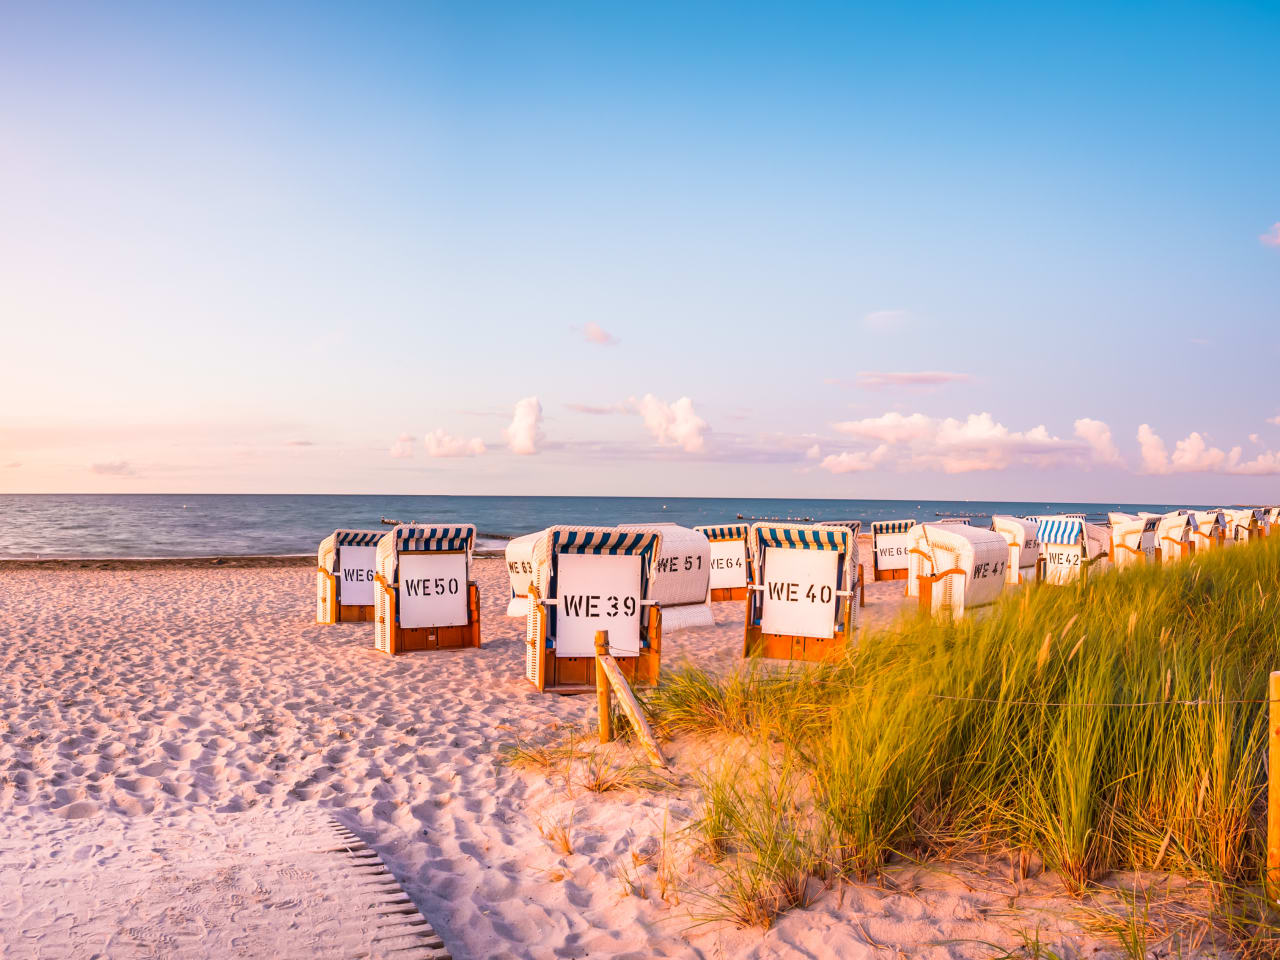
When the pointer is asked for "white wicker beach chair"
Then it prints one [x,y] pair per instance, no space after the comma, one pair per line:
[587,579]
[1244,524]
[1024,547]
[1173,536]
[960,566]
[1133,539]
[344,576]
[425,597]
[519,556]
[682,577]
[889,549]
[1208,529]
[1070,548]
[730,560]
[803,601]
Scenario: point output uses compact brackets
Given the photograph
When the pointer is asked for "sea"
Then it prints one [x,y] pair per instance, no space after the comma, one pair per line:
[215,525]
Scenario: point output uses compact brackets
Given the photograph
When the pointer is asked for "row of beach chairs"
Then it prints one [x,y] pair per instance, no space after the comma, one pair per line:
[802,583]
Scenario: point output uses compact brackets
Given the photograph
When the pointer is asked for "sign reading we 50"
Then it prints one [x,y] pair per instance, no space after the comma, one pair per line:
[433,590]
[799,593]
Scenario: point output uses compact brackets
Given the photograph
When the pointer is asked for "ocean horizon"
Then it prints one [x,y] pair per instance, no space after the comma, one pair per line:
[55,526]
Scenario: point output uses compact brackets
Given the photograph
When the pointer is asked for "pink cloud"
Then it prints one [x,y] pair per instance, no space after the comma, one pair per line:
[1155,455]
[1098,436]
[525,432]
[441,444]
[672,424]
[878,380]
[403,447]
[114,468]
[594,333]
[1272,237]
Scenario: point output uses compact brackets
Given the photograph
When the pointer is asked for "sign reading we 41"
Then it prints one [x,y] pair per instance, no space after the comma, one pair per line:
[799,593]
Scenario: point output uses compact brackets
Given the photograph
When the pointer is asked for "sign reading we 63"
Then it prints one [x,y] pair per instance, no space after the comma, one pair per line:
[355,575]
[799,592]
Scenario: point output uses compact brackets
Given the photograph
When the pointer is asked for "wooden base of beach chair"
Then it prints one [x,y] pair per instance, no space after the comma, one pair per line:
[355,613]
[881,575]
[414,639]
[719,594]
[778,646]
[572,675]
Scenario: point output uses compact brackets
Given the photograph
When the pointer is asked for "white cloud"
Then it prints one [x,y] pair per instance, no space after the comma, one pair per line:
[1274,420]
[1155,455]
[813,453]
[672,424]
[1253,438]
[441,444]
[594,333]
[878,380]
[886,319]
[115,468]
[1272,237]
[1195,455]
[857,462]
[1263,464]
[525,432]
[598,409]
[978,442]
[1098,436]
[403,447]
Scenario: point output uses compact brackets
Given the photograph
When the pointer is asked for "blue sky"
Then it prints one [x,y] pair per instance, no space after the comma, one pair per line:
[907,250]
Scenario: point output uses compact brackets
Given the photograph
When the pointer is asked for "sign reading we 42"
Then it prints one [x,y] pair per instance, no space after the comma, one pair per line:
[799,593]
[597,592]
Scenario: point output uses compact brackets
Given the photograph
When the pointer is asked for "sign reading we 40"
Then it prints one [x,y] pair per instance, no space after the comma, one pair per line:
[799,593]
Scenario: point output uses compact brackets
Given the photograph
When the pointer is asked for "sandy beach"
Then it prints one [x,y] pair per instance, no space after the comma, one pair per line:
[201,698]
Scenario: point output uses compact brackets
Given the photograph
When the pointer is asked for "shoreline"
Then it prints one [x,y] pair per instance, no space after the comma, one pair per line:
[225,562]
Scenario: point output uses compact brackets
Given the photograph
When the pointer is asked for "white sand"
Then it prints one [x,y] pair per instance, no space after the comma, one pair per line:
[178,695]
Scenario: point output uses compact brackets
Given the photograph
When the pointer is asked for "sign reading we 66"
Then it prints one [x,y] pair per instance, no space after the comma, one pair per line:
[799,593]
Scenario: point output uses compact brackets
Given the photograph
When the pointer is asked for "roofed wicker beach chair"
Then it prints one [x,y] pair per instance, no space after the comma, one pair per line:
[1070,548]
[519,556]
[587,579]
[1244,524]
[1024,547]
[802,603]
[957,566]
[1173,536]
[425,597]
[344,576]
[681,577]
[730,563]
[889,549]
[1208,529]
[1133,539]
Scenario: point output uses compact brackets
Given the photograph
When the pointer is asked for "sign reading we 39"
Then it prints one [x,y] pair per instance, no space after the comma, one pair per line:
[799,593]
[597,592]
[433,590]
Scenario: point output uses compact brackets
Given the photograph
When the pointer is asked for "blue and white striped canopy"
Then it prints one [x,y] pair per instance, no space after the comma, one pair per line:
[357,538]
[725,531]
[1060,531]
[417,537]
[891,526]
[602,541]
[806,538]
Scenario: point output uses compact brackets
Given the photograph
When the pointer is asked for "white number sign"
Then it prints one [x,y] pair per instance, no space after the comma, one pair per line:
[728,564]
[1062,563]
[355,575]
[597,593]
[800,592]
[891,551]
[433,590]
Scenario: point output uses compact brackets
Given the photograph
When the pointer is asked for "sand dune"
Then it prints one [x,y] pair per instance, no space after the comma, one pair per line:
[183,695]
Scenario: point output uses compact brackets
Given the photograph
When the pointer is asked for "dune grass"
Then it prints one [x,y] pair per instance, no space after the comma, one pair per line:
[1115,724]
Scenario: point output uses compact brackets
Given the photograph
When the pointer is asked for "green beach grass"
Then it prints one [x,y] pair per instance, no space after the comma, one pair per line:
[1116,724]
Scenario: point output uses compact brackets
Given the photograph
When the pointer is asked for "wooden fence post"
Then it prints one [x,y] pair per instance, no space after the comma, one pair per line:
[602,687]
[1273,790]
